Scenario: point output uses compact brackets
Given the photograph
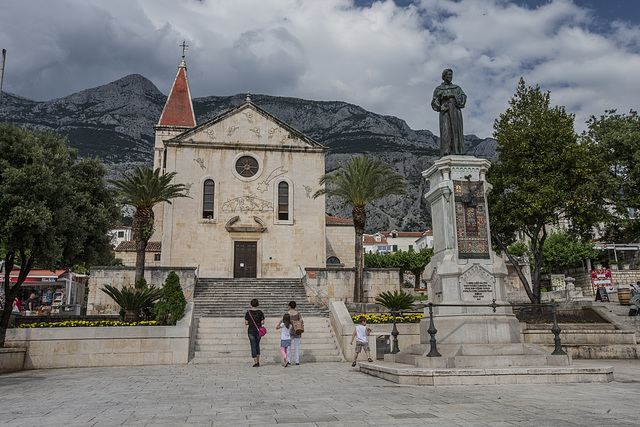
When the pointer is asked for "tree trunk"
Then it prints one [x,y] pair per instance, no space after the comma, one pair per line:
[514,261]
[359,218]
[11,292]
[142,232]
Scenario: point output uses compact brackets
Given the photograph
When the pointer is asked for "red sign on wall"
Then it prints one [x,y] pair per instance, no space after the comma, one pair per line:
[600,278]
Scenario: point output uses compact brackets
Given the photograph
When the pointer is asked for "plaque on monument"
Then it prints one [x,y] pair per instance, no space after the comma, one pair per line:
[477,284]
[471,219]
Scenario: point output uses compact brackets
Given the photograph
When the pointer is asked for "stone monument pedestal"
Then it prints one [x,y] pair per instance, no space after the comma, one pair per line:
[478,345]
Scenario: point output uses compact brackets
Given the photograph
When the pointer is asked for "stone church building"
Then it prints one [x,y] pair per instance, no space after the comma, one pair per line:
[250,211]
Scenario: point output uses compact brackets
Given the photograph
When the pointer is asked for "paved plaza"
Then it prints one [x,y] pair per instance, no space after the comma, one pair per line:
[314,394]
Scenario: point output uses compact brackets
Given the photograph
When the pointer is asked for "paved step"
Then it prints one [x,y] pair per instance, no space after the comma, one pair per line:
[221,334]
[220,340]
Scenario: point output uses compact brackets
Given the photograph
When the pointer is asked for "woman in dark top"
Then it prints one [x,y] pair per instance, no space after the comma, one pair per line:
[254,318]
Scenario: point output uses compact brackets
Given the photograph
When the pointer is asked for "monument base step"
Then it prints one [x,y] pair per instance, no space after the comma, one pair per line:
[401,373]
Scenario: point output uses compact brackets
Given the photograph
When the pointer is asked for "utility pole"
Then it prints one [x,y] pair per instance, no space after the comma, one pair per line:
[4,56]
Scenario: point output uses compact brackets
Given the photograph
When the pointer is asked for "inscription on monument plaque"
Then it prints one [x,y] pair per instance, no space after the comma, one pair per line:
[477,284]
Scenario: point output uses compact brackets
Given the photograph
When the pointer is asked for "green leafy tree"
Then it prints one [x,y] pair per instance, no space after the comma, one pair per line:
[543,174]
[618,138]
[55,211]
[171,306]
[413,262]
[143,189]
[359,182]
[377,260]
[563,250]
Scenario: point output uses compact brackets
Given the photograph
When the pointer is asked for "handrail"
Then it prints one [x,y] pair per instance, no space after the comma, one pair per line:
[197,279]
[320,295]
[555,329]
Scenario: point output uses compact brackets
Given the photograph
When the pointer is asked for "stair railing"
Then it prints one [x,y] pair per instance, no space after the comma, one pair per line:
[320,296]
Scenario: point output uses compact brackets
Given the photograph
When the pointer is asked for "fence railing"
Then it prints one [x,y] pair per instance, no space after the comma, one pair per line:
[555,329]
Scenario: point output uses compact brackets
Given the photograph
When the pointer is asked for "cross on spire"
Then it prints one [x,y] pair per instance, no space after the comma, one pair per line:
[184,46]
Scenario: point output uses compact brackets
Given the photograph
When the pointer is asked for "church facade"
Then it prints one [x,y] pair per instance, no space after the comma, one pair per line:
[250,179]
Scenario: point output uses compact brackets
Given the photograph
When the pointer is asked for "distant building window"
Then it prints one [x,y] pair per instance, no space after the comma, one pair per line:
[207,199]
[333,260]
[156,257]
[377,238]
[283,201]
[410,248]
[120,234]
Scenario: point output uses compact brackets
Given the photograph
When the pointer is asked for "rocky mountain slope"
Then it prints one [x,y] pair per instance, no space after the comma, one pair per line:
[115,122]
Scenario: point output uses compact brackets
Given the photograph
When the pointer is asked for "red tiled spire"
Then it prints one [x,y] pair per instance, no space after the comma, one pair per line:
[178,111]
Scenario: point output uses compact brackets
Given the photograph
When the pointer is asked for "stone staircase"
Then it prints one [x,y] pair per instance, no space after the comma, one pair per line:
[232,297]
[224,339]
[221,334]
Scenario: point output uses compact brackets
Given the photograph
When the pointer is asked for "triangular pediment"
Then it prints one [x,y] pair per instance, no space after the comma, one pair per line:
[249,125]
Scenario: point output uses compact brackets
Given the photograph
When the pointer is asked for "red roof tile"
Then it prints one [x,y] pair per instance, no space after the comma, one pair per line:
[371,240]
[336,220]
[404,234]
[130,246]
[178,111]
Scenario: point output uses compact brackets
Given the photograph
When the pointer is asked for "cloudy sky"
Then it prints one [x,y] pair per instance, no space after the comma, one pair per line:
[386,56]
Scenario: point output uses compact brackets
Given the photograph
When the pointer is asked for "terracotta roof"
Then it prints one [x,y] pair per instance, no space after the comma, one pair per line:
[335,220]
[404,233]
[130,246]
[178,111]
[371,240]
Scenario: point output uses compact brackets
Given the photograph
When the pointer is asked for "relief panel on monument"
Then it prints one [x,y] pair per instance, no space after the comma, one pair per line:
[471,220]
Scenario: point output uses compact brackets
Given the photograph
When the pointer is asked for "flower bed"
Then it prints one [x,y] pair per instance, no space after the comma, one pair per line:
[387,318]
[84,323]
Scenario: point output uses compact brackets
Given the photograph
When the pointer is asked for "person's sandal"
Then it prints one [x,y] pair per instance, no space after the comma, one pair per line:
[369,360]
[353,364]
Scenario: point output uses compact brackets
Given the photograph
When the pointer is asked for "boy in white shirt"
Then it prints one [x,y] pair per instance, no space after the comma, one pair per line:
[361,333]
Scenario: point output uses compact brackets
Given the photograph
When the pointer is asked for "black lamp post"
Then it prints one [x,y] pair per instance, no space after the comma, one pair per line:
[395,333]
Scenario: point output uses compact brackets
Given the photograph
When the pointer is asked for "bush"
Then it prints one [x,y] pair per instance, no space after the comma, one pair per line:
[134,300]
[171,306]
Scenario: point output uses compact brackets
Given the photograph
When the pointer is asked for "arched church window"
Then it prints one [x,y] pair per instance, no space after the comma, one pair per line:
[207,199]
[333,260]
[283,201]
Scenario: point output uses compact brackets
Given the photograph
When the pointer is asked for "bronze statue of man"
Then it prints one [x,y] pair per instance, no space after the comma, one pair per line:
[448,100]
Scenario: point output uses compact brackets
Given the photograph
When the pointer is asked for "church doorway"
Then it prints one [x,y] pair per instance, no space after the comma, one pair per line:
[245,259]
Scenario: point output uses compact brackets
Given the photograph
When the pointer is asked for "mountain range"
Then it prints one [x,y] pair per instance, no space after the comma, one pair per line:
[115,122]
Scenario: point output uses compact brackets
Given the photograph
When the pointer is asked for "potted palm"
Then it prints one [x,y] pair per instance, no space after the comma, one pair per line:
[132,299]
[396,303]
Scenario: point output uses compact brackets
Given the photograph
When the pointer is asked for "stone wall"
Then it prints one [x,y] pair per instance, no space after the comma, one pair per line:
[620,278]
[100,303]
[337,283]
[340,243]
[343,327]
[12,359]
[104,346]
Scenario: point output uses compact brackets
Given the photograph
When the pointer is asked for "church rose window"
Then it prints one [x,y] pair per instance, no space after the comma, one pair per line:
[207,199]
[247,166]
[283,201]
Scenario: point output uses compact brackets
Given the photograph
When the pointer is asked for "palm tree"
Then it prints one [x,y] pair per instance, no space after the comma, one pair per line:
[143,189]
[396,303]
[361,181]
